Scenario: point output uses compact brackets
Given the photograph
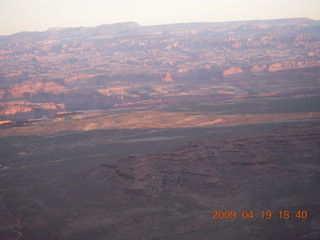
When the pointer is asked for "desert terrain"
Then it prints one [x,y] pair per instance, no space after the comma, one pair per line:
[126,64]
[130,132]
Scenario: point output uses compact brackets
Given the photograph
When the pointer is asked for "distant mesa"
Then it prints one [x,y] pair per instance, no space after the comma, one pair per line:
[125,64]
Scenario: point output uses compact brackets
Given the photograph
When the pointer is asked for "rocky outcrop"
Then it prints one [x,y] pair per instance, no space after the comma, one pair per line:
[14,109]
[204,165]
[256,68]
[232,71]
[23,109]
[167,78]
[291,65]
[23,91]
[4,124]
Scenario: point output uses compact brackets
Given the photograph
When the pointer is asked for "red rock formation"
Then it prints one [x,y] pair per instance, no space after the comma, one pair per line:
[232,71]
[258,68]
[5,122]
[291,65]
[77,78]
[18,91]
[33,65]
[24,109]
[167,78]
[14,109]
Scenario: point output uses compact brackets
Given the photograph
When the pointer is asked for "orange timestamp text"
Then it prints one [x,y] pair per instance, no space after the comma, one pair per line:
[285,214]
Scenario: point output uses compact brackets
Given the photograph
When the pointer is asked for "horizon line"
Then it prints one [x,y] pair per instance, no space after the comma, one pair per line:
[154,25]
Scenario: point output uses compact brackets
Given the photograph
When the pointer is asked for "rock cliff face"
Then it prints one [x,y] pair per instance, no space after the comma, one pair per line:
[60,65]
[24,110]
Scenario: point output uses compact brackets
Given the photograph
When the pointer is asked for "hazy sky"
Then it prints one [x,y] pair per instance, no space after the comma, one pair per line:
[39,15]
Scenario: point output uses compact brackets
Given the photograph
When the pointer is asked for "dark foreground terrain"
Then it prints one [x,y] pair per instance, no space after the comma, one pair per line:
[159,173]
